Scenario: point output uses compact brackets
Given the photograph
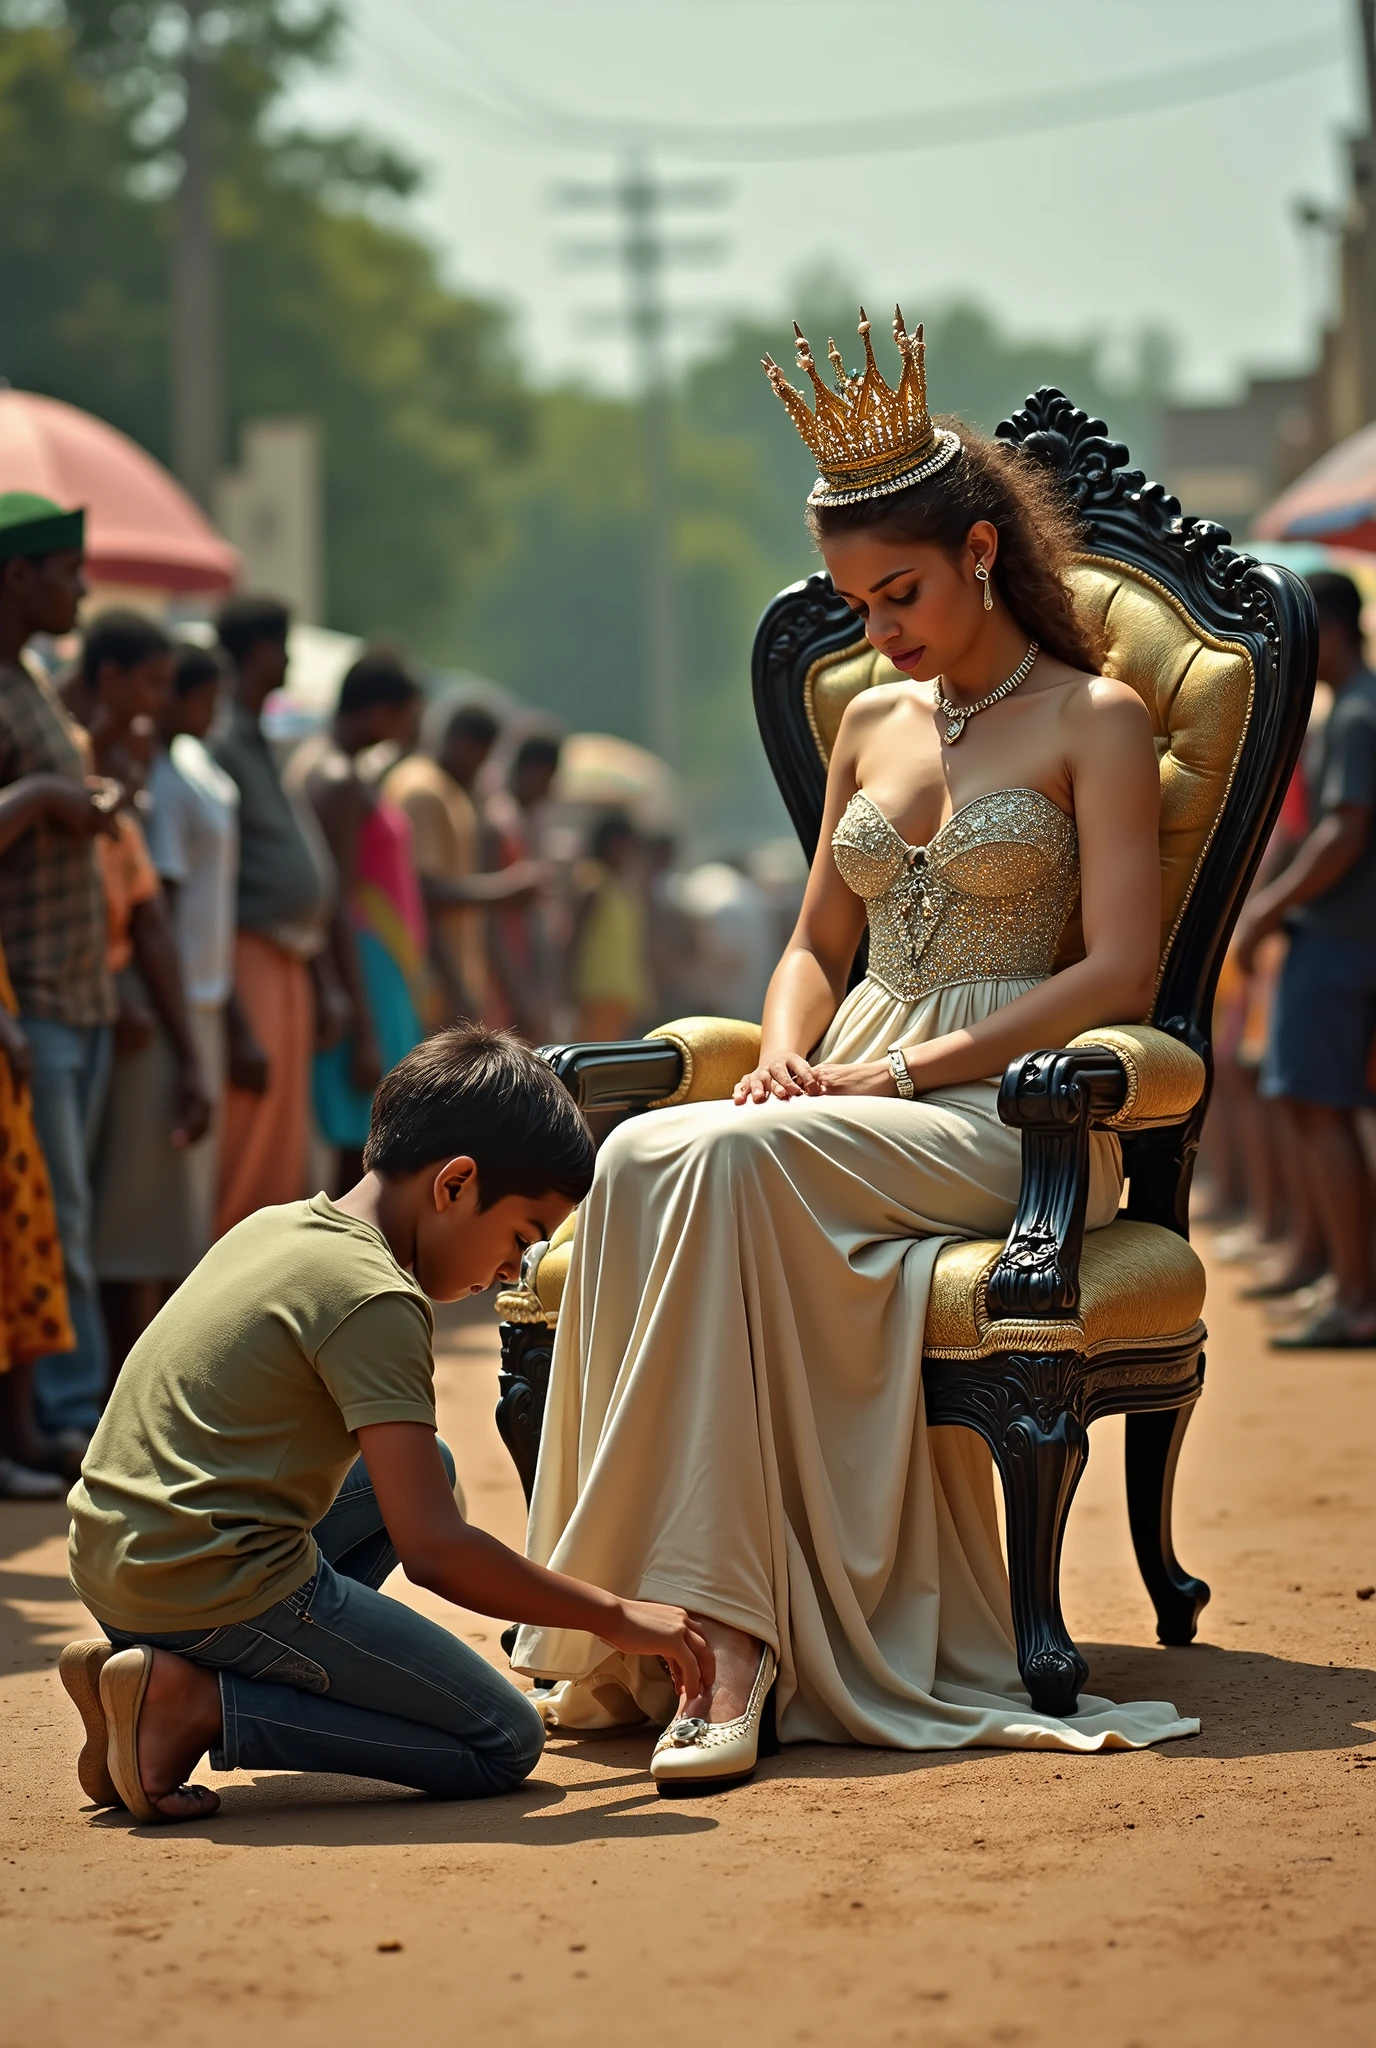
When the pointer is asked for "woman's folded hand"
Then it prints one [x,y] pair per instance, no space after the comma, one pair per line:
[782,1075]
[644,1628]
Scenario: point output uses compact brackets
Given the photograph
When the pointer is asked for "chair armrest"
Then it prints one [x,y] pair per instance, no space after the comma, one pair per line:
[1054,1099]
[621,1073]
[715,1052]
[1165,1076]
[694,1059]
[1124,1077]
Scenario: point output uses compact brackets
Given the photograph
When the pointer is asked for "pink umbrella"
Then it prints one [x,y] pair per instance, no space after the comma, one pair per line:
[141,527]
[1334,502]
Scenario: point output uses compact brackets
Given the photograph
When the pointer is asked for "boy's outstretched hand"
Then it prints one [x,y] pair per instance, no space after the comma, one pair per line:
[648,1630]
[442,1552]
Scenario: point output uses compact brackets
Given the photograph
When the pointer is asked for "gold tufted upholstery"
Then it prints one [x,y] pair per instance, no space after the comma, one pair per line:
[716,1052]
[1198,689]
[1139,1284]
[1165,1078]
[831,683]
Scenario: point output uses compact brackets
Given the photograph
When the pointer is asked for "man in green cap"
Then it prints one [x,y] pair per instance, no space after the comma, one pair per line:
[52,927]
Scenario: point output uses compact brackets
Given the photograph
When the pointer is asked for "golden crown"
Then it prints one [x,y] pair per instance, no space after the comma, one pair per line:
[867,438]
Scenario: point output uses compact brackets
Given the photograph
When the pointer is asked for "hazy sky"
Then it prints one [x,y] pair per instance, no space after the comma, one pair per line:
[1180,216]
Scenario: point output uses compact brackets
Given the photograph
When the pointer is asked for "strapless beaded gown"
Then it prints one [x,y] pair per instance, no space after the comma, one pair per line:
[735,1418]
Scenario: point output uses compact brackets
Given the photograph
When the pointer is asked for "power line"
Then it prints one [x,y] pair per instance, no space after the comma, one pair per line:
[510,106]
[640,201]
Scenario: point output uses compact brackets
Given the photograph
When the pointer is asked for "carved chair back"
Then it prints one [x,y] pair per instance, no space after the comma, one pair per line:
[1220,648]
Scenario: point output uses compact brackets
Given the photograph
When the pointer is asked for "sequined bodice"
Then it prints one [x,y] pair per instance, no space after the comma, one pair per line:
[986,900]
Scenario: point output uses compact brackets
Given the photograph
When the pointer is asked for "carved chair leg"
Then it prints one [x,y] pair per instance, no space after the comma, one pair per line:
[523,1383]
[1152,1449]
[1040,1460]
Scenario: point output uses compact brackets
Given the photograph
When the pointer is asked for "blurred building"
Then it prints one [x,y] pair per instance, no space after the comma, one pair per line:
[1226,462]
[269,509]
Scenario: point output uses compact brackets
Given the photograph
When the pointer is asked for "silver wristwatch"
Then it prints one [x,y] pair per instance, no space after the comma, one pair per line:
[902,1079]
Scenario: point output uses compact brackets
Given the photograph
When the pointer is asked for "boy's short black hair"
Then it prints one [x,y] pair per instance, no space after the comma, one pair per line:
[380,676]
[196,667]
[124,637]
[1338,601]
[471,1090]
[245,621]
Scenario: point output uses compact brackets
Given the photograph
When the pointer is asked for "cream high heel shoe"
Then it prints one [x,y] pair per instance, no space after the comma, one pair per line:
[694,1756]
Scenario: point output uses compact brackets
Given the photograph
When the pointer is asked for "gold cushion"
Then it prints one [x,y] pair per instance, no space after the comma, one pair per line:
[1198,689]
[551,1275]
[1165,1078]
[716,1052]
[539,1302]
[1139,1283]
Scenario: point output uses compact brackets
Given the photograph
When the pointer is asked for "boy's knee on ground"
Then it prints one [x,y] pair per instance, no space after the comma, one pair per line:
[528,1736]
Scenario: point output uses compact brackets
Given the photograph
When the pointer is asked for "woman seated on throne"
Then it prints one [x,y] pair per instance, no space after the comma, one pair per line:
[735,1420]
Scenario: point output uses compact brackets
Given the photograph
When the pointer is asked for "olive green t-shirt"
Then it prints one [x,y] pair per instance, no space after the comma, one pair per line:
[229,1430]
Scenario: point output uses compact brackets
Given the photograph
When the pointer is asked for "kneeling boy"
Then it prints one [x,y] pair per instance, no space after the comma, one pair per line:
[229,1537]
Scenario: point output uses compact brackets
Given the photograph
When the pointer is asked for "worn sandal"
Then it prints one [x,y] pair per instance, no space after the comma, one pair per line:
[123,1683]
[79,1667]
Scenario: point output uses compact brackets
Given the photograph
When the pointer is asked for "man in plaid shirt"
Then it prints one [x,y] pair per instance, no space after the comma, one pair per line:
[52,926]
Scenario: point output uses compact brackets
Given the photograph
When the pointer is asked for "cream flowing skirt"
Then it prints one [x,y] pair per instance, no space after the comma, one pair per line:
[735,1418]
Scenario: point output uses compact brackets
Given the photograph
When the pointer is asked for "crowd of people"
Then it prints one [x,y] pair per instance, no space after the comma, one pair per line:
[216,947]
[1290,1145]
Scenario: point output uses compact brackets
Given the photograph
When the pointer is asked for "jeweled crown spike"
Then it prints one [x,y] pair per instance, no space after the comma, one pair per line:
[868,438]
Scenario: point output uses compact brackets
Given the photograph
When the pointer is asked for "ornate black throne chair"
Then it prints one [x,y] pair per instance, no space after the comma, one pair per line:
[1029,1341]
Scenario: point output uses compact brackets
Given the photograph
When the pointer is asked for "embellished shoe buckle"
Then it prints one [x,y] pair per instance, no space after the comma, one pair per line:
[686,1734]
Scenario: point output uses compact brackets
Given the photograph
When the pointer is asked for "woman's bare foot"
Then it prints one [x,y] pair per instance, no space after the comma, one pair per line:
[178,1721]
[738,1661]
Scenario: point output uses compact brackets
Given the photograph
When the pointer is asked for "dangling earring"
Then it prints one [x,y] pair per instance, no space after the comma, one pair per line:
[982,576]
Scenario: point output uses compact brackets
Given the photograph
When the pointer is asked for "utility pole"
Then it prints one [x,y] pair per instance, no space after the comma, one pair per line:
[644,252]
[643,258]
[1361,253]
[195,352]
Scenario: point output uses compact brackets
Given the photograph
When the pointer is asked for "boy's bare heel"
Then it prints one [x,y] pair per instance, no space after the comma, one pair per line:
[79,1667]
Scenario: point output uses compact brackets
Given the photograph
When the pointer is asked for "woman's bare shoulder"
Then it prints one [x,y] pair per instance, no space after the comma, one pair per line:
[1105,706]
[868,708]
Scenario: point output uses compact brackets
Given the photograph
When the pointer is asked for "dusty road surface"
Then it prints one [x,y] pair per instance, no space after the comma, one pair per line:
[1219,1891]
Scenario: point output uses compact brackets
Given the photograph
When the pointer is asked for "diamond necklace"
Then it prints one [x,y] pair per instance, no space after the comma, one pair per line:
[958,716]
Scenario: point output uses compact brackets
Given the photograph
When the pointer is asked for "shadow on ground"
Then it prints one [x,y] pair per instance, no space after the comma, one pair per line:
[1252,1705]
[26,1631]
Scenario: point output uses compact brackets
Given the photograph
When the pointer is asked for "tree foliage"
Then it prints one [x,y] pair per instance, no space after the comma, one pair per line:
[328,306]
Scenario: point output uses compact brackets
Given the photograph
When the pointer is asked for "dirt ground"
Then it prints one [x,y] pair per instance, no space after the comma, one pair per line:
[1218,1890]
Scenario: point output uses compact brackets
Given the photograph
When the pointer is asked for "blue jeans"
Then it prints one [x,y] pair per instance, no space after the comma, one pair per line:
[71,1070]
[339,1678]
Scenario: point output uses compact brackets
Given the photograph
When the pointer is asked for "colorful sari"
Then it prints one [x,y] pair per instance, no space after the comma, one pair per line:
[388,919]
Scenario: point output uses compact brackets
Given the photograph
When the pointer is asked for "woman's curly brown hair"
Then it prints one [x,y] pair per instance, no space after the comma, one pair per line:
[1038,535]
